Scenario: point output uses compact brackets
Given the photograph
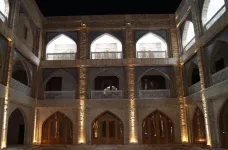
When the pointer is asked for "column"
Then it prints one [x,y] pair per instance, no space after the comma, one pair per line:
[130,47]
[82,85]
[7,79]
[180,85]
[204,101]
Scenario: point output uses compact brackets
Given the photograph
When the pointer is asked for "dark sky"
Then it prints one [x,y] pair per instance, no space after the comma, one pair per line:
[95,7]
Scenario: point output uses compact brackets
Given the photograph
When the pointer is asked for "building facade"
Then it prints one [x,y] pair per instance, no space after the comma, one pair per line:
[114,81]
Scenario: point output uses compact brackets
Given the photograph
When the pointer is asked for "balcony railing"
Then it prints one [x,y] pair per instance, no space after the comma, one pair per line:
[216,16]
[2,17]
[151,54]
[154,93]
[106,94]
[190,43]
[18,86]
[194,88]
[60,56]
[220,76]
[59,94]
[106,55]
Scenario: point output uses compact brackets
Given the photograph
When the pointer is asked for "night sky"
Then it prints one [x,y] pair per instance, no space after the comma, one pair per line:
[95,7]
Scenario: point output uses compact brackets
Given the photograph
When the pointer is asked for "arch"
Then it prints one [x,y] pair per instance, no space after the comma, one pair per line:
[151,42]
[157,128]
[223,121]
[16,128]
[4,8]
[57,129]
[198,125]
[107,47]
[107,129]
[21,72]
[210,8]
[188,35]
[193,73]
[61,47]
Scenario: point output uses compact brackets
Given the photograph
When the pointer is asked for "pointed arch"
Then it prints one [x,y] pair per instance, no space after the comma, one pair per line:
[106,46]
[157,128]
[61,47]
[198,125]
[210,8]
[107,128]
[16,128]
[188,35]
[107,72]
[4,9]
[153,43]
[57,129]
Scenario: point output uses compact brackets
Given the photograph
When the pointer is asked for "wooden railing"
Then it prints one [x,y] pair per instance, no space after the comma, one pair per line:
[189,44]
[59,94]
[18,86]
[60,56]
[106,94]
[151,54]
[106,55]
[159,93]
[220,76]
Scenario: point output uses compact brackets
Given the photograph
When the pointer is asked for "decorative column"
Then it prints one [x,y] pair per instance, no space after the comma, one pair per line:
[82,108]
[8,68]
[204,101]
[82,85]
[133,138]
[180,85]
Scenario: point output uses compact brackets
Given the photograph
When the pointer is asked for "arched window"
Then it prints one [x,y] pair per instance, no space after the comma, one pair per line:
[107,129]
[61,48]
[57,129]
[188,37]
[106,47]
[151,46]
[212,11]
[199,132]
[157,128]
[4,10]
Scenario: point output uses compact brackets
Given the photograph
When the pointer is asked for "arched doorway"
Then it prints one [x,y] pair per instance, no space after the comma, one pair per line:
[16,128]
[57,129]
[107,129]
[157,128]
[199,132]
[223,122]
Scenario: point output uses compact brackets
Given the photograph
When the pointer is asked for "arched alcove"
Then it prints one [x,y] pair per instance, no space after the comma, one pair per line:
[151,46]
[16,128]
[106,46]
[210,12]
[223,121]
[193,72]
[188,35]
[157,128]
[198,125]
[20,73]
[107,129]
[61,48]
[57,129]
[4,10]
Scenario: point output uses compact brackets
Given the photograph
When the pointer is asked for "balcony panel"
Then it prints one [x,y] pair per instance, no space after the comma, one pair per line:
[2,17]
[154,94]
[194,88]
[106,94]
[220,76]
[60,56]
[190,43]
[59,94]
[151,54]
[18,86]
[106,55]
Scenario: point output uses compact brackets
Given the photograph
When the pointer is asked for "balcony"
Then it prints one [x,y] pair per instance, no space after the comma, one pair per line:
[190,43]
[220,76]
[106,94]
[106,55]
[59,95]
[194,88]
[151,54]
[60,56]
[154,94]
[217,15]
[18,86]
[2,17]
